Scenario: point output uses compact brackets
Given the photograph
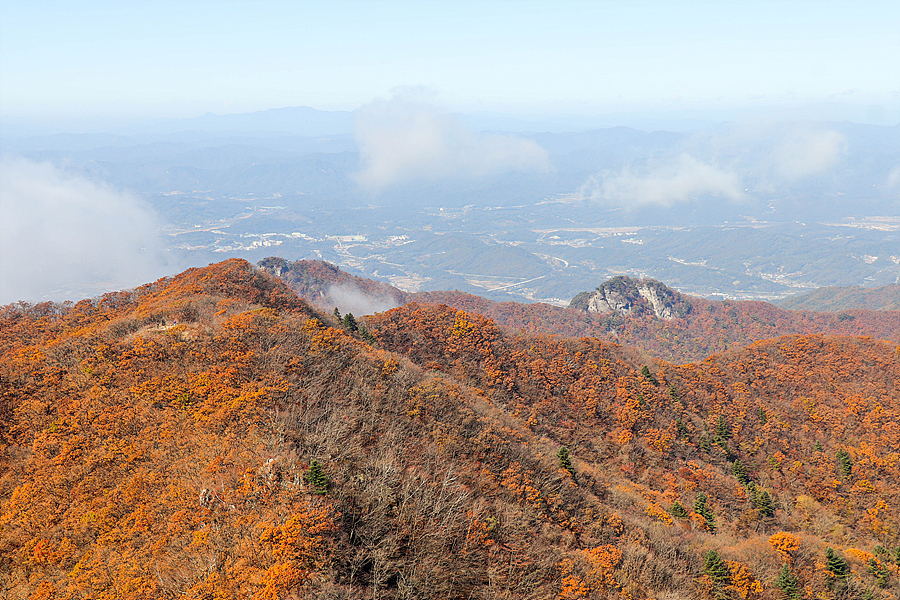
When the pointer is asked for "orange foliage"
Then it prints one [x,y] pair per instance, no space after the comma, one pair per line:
[144,459]
[786,545]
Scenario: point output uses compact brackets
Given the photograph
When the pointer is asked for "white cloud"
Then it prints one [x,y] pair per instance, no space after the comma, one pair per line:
[404,139]
[893,178]
[350,299]
[683,179]
[803,153]
[63,236]
[737,162]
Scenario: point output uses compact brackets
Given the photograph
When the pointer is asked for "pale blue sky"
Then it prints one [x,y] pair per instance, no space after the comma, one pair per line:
[182,59]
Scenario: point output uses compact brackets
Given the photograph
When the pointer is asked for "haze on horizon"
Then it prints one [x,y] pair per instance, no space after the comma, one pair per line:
[449,104]
[97,63]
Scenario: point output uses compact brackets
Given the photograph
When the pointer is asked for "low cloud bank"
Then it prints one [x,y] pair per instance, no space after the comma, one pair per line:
[734,164]
[682,179]
[404,139]
[806,153]
[350,299]
[63,236]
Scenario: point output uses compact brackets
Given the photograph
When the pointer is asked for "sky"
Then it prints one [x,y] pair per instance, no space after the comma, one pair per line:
[129,60]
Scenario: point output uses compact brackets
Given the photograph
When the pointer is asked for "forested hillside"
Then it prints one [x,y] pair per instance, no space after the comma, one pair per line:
[697,328]
[838,298]
[213,436]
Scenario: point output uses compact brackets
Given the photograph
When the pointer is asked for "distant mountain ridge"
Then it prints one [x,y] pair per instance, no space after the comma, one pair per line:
[690,328]
[837,298]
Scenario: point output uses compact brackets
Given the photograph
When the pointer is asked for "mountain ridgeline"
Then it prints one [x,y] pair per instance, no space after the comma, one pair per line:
[640,313]
[837,298]
[213,435]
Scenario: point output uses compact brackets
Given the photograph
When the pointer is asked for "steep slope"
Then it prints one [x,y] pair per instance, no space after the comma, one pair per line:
[210,436]
[792,435]
[844,298]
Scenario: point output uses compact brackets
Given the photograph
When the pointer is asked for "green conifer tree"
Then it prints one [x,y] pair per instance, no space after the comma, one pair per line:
[846,463]
[565,461]
[763,416]
[881,572]
[739,472]
[349,323]
[788,583]
[717,570]
[337,314]
[673,393]
[645,371]
[702,509]
[752,492]
[838,570]
[765,505]
[365,334]
[723,430]
[678,510]
[315,476]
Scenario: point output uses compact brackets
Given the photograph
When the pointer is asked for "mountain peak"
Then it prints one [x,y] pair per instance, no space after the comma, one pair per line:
[627,296]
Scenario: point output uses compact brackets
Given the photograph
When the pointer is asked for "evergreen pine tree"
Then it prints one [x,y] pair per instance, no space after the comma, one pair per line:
[818,447]
[701,508]
[881,572]
[678,510]
[752,492]
[645,371]
[565,462]
[788,583]
[673,393]
[739,472]
[337,314]
[724,446]
[723,431]
[349,322]
[681,428]
[763,416]
[316,478]
[765,505]
[838,570]
[846,463]
[717,570]
[365,334]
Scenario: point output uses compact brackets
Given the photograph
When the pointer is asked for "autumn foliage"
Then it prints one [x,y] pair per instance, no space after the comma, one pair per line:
[159,443]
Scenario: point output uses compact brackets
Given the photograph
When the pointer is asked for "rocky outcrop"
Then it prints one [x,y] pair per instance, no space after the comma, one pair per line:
[661,309]
[625,296]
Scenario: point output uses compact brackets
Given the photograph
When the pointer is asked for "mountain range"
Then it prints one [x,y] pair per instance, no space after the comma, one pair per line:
[213,435]
[836,298]
[673,326]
